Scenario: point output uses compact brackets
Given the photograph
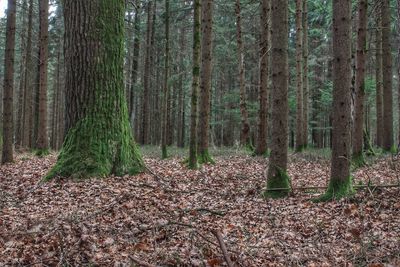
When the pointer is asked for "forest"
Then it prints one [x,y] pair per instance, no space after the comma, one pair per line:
[200,133]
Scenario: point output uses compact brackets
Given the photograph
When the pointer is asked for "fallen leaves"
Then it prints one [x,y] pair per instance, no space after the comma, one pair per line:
[168,218]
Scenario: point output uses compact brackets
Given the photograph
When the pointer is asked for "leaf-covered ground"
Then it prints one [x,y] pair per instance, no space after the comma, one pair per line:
[169,217]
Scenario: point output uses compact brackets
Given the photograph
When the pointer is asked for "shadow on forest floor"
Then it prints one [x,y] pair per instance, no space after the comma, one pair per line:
[168,218]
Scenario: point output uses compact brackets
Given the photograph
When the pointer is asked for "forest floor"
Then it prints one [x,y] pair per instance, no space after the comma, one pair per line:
[172,217]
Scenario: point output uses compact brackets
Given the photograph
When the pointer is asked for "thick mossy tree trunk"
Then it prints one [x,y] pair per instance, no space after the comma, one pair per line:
[192,164]
[299,76]
[8,123]
[277,176]
[340,181]
[262,138]
[358,133]
[387,76]
[205,82]
[99,140]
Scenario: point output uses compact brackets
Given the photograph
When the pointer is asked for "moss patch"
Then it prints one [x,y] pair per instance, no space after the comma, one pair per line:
[337,189]
[358,161]
[41,152]
[204,157]
[280,181]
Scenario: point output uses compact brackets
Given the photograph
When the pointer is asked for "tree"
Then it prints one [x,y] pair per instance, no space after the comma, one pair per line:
[378,77]
[166,86]
[205,81]
[195,85]
[99,141]
[262,144]
[358,133]
[387,77]
[245,132]
[135,62]
[299,77]
[42,142]
[305,75]
[8,124]
[340,181]
[277,175]
[398,67]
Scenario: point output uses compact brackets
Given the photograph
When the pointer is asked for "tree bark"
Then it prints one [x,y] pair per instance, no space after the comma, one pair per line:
[195,84]
[277,176]
[205,81]
[387,77]
[398,69]
[42,138]
[305,75]
[135,64]
[299,76]
[340,181]
[8,91]
[262,138]
[181,93]
[245,132]
[358,132]
[99,140]
[166,86]
[378,78]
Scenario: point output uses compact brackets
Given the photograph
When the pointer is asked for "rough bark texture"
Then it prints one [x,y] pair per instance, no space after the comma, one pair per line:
[135,64]
[305,75]
[277,177]
[387,77]
[28,116]
[205,81]
[378,78]
[299,75]
[245,132]
[361,53]
[99,140]
[195,84]
[166,86]
[340,181]
[181,93]
[398,69]
[262,138]
[42,137]
[8,91]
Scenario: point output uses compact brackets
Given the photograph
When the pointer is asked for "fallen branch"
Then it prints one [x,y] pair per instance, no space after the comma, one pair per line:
[223,248]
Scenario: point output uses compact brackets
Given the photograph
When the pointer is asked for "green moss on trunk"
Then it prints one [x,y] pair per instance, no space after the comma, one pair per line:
[278,186]
[358,160]
[204,157]
[337,189]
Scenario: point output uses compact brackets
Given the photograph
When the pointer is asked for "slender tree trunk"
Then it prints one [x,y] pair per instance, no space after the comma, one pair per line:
[42,138]
[181,93]
[262,138]
[378,78]
[245,132]
[145,134]
[205,81]
[340,182]
[166,86]
[299,77]
[195,84]
[135,64]
[398,69]
[8,91]
[277,176]
[358,132]
[99,141]
[305,75]
[56,102]
[387,77]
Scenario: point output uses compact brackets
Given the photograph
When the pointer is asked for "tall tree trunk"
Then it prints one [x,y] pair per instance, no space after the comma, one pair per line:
[205,81]
[195,84]
[358,132]
[262,138]
[378,77]
[277,176]
[8,91]
[299,77]
[398,69]
[340,181]
[166,86]
[28,116]
[56,102]
[99,140]
[145,134]
[245,132]
[181,93]
[42,138]
[305,75]
[387,77]
[135,64]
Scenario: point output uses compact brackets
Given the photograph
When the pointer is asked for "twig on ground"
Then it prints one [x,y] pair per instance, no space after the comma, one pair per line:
[223,248]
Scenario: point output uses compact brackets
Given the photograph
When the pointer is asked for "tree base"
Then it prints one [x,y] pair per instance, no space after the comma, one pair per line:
[204,157]
[164,152]
[358,160]
[41,153]
[280,182]
[337,190]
